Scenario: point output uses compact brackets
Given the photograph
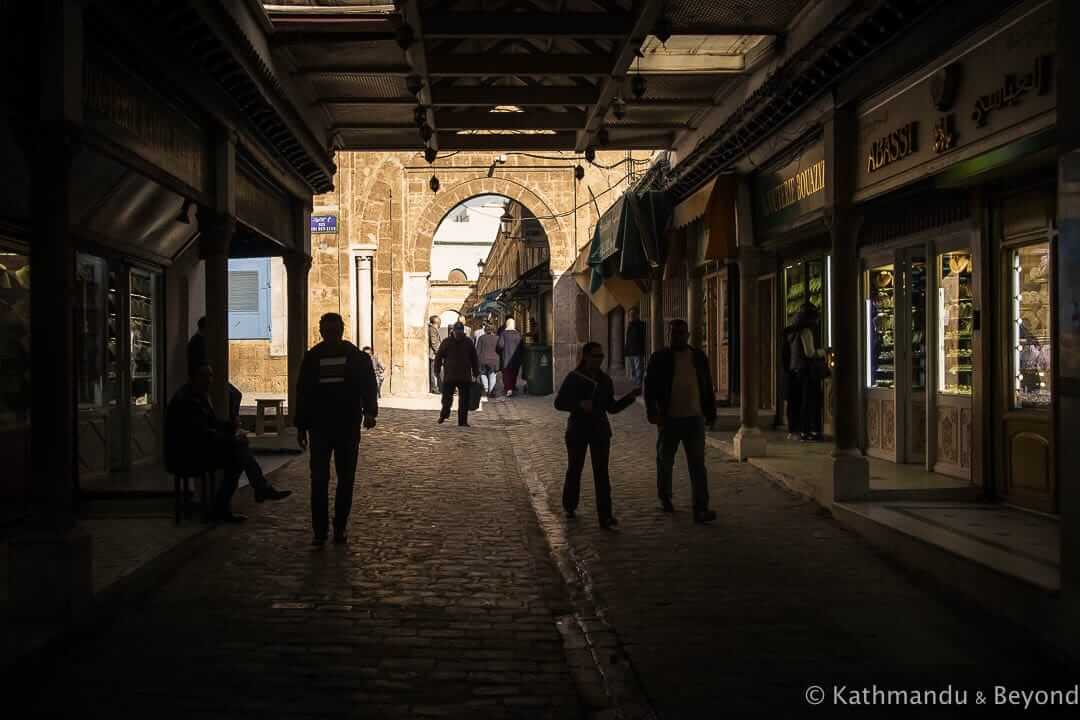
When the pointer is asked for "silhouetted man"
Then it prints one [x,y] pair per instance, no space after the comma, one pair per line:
[198,356]
[679,400]
[196,441]
[634,347]
[458,361]
[336,394]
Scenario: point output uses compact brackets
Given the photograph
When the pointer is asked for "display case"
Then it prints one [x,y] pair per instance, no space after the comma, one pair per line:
[794,291]
[807,281]
[1030,325]
[90,334]
[881,327]
[113,334]
[14,340]
[917,322]
[143,358]
[956,336]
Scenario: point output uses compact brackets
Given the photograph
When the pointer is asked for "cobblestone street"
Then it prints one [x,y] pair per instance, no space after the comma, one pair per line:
[446,602]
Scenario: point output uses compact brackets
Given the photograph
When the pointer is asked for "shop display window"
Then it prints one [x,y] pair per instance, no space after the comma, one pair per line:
[880,325]
[956,338]
[918,323]
[794,291]
[143,365]
[15,365]
[90,332]
[1030,306]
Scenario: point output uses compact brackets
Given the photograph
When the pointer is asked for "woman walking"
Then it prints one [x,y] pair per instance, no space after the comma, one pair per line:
[588,394]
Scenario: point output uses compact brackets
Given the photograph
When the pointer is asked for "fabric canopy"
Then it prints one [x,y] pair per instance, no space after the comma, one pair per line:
[693,207]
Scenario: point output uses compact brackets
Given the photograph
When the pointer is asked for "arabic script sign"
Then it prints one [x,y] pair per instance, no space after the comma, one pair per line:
[323,224]
[965,102]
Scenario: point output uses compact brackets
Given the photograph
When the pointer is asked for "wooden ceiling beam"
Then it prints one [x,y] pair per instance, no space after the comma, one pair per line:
[527,25]
[532,120]
[518,64]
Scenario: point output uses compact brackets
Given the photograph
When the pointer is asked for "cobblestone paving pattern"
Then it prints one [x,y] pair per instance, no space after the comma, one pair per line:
[738,618]
[442,604]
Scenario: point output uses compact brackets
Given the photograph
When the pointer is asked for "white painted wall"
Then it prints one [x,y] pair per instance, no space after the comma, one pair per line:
[454,245]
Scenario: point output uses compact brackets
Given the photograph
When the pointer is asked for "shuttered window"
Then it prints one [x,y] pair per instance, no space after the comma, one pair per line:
[249,299]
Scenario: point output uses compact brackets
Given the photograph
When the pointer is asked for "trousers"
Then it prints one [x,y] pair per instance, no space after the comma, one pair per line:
[600,450]
[345,448]
[463,400]
[487,378]
[690,431]
[634,366]
[433,377]
[234,457]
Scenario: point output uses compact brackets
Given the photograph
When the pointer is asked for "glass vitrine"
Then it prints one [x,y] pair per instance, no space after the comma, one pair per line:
[794,291]
[881,327]
[14,339]
[1030,325]
[90,335]
[956,302]
[143,361]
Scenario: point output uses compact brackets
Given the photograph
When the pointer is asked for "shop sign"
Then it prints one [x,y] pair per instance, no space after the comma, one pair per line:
[321,224]
[607,230]
[784,194]
[897,145]
[1003,79]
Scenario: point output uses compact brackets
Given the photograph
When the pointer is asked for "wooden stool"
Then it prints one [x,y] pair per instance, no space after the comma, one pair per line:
[181,490]
[260,415]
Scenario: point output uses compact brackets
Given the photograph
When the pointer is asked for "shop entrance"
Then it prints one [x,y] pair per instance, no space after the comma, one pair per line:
[1023,439]
[896,361]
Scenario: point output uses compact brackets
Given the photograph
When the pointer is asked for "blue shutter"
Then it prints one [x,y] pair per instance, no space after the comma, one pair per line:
[249,299]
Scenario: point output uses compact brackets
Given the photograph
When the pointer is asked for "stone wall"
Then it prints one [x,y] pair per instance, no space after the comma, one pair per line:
[383,201]
[254,371]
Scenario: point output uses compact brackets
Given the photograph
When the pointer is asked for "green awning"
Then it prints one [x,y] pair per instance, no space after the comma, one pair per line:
[624,243]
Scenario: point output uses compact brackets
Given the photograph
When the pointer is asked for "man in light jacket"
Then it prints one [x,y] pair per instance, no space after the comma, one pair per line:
[510,352]
[487,350]
[459,364]
[680,401]
[434,338]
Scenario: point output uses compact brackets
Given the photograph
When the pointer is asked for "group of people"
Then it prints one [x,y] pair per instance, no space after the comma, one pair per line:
[679,401]
[337,398]
[458,361]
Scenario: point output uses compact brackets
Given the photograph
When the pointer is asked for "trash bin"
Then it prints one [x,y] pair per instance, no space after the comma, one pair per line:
[537,369]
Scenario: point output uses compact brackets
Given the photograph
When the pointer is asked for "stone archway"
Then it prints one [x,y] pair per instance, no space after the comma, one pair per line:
[560,242]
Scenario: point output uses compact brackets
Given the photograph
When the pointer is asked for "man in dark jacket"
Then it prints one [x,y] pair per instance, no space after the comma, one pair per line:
[634,348]
[487,351]
[510,352]
[459,364]
[337,392]
[197,441]
[680,401]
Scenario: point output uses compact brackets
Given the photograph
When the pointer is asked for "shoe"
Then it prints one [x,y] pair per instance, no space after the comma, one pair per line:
[570,515]
[667,506]
[509,393]
[792,436]
[704,516]
[441,419]
[340,538]
[232,518]
[270,493]
[318,541]
[608,522]
[464,425]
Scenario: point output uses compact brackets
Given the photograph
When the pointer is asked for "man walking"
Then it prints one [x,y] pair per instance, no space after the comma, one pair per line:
[433,341]
[679,400]
[336,393]
[457,359]
[634,347]
[487,351]
[510,352]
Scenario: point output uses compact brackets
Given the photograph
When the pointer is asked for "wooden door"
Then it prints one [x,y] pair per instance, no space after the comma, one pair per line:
[1024,469]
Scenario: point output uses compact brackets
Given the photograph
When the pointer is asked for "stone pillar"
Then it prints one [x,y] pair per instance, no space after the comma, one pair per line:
[657,331]
[364,298]
[616,338]
[297,267]
[215,237]
[749,440]
[851,471]
[1066,380]
[51,564]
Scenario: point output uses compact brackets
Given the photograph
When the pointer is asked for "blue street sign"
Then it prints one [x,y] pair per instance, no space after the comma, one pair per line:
[324,223]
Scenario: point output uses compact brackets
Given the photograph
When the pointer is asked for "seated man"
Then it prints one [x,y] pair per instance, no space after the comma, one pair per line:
[196,441]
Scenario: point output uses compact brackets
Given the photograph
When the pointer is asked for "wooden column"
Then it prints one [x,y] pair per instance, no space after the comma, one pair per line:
[1066,363]
[851,472]
[215,237]
[616,338]
[749,441]
[656,328]
[297,267]
[51,564]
